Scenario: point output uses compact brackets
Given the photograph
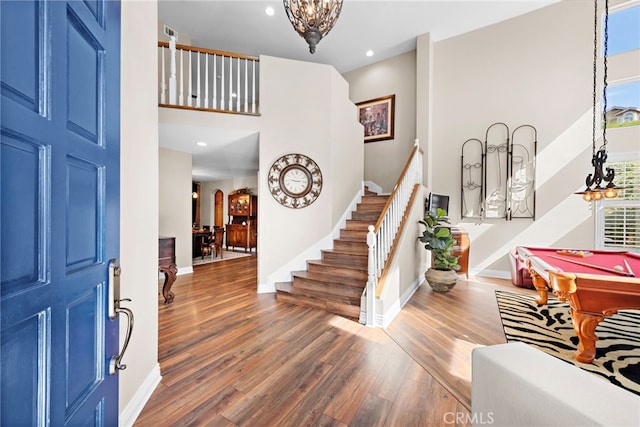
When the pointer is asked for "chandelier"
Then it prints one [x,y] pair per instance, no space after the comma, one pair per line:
[313,19]
[595,180]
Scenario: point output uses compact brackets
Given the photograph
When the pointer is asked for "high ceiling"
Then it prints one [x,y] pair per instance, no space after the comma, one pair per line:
[388,28]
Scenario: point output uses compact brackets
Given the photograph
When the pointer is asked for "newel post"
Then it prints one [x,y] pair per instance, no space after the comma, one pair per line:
[371,277]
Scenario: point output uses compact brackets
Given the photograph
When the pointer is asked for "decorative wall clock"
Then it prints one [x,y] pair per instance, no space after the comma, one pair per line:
[295,181]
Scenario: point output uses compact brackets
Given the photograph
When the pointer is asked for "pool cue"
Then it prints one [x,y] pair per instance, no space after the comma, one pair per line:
[626,264]
[597,267]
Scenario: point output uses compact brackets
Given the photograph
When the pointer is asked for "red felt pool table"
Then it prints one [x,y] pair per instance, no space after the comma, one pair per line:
[596,285]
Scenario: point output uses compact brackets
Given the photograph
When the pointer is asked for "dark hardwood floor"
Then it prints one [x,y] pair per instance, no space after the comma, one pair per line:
[232,357]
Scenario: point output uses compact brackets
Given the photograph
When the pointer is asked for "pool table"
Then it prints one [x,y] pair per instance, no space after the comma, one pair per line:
[595,283]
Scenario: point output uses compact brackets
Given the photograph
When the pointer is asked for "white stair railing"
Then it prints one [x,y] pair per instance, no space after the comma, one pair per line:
[207,79]
[381,235]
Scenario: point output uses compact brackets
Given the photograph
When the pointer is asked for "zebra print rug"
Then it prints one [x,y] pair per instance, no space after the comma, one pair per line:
[549,328]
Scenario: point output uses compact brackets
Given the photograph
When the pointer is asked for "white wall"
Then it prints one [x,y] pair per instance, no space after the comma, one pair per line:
[347,151]
[509,72]
[139,204]
[175,204]
[384,160]
[313,125]
[322,125]
[513,72]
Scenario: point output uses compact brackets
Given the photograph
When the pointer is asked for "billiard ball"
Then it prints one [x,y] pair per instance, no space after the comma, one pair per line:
[618,268]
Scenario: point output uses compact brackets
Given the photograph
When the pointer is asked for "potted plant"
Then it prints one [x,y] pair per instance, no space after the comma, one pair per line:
[436,237]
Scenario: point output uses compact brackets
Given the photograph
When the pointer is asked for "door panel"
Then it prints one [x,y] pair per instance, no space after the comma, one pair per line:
[26,162]
[59,188]
[22,84]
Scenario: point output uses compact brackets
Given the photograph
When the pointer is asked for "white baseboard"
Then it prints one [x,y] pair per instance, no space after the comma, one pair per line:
[185,270]
[499,274]
[266,288]
[131,412]
[385,320]
[181,271]
[372,186]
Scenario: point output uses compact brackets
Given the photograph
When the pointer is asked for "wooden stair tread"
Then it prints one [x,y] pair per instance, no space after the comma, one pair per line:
[335,283]
[337,265]
[349,311]
[336,279]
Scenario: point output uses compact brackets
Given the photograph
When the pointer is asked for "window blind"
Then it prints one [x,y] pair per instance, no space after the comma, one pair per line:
[619,218]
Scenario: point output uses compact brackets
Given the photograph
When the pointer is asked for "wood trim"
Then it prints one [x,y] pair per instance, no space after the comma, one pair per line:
[211,110]
[210,51]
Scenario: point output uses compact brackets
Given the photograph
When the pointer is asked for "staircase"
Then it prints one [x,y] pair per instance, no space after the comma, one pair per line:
[335,283]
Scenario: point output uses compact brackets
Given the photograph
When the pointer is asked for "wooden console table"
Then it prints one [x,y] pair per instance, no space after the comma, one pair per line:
[167,265]
[461,249]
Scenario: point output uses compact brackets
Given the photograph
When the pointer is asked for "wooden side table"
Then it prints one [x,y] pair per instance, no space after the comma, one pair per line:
[461,249]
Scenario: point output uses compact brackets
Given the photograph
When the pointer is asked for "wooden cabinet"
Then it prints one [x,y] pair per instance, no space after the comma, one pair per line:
[242,229]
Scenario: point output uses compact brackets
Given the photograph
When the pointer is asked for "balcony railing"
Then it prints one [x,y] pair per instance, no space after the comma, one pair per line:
[205,79]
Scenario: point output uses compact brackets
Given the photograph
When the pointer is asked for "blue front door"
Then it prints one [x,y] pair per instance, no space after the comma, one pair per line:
[59,171]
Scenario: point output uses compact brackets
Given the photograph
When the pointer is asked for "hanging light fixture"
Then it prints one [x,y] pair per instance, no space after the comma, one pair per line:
[313,19]
[594,181]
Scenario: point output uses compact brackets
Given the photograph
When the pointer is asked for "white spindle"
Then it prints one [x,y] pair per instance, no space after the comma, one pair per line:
[215,81]
[163,86]
[172,70]
[181,96]
[206,80]
[246,84]
[198,94]
[253,90]
[238,86]
[230,103]
[222,83]
[190,97]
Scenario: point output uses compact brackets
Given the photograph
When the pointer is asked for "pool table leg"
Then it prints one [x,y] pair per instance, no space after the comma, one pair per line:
[584,325]
[541,286]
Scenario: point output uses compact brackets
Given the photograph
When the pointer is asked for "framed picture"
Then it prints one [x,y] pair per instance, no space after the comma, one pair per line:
[376,115]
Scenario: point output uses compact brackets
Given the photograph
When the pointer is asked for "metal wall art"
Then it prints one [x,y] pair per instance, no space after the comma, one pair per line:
[498,175]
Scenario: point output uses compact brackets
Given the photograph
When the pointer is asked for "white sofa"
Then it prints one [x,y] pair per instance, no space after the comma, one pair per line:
[517,385]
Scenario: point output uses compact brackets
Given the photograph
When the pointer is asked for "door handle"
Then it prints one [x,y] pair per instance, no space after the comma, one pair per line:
[115,308]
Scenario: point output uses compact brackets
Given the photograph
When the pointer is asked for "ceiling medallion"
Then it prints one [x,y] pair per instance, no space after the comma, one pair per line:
[295,181]
[312,19]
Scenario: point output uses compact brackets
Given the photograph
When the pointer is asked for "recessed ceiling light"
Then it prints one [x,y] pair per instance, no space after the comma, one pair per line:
[269,11]
[369,52]
[201,144]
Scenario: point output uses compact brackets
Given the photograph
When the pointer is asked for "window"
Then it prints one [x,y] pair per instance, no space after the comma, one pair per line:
[624,27]
[623,102]
[623,95]
[618,220]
